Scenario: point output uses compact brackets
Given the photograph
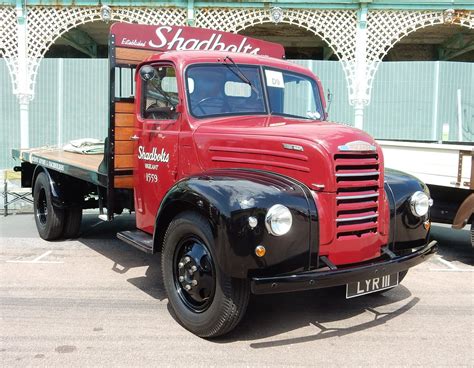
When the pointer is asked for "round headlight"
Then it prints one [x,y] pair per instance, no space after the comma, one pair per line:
[419,204]
[278,220]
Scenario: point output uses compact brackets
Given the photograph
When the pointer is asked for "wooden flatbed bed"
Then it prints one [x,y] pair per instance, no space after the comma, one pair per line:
[81,166]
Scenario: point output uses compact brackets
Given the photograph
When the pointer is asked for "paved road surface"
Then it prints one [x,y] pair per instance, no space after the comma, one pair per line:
[98,302]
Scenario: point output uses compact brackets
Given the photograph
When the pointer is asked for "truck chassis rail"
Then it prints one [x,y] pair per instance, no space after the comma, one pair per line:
[84,167]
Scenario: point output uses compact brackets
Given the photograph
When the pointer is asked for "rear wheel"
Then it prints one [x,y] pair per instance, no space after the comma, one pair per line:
[72,223]
[49,219]
[205,300]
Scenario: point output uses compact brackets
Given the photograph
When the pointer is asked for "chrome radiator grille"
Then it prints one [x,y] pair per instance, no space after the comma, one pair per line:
[357,196]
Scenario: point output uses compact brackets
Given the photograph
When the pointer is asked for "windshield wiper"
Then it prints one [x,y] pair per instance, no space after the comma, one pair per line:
[240,74]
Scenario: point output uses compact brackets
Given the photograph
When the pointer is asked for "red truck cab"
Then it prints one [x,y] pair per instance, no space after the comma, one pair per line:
[239,180]
[237,125]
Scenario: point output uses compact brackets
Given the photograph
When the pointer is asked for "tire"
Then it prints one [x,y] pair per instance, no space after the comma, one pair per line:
[49,219]
[216,303]
[472,233]
[72,223]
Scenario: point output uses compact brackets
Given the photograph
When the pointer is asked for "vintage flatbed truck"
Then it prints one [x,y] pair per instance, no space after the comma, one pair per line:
[224,152]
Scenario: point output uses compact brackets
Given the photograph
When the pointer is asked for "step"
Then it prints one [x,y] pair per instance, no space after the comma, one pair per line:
[137,238]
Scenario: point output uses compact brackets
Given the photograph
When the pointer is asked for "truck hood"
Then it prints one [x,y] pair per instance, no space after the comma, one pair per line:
[295,147]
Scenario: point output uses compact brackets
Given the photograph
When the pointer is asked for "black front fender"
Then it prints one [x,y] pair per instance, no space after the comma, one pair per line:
[406,229]
[227,198]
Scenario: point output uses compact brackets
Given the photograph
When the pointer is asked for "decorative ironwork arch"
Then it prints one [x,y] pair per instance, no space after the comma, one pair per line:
[8,39]
[47,24]
[320,22]
[387,28]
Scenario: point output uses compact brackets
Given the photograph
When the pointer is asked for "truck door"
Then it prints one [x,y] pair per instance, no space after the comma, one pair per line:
[157,128]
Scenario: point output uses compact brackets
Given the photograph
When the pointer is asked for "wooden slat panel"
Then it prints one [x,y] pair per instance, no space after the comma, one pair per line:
[123,181]
[123,161]
[126,107]
[131,56]
[87,162]
[123,134]
[124,147]
[124,120]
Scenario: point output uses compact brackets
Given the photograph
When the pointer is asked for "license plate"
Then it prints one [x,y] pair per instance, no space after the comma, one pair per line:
[368,286]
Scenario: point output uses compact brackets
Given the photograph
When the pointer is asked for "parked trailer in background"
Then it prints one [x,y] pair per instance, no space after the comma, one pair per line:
[447,169]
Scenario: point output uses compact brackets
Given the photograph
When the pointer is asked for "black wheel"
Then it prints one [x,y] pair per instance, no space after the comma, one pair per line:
[72,223]
[205,300]
[49,219]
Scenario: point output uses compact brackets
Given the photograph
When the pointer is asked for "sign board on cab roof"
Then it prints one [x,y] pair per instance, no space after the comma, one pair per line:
[161,38]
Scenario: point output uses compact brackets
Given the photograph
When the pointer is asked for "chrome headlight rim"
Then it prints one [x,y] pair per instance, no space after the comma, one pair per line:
[420,204]
[278,220]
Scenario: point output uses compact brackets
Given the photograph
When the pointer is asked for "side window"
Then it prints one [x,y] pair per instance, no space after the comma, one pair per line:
[160,92]
[292,94]
[299,89]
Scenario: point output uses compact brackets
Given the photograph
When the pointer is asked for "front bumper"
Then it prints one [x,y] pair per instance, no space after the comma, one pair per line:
[323,279]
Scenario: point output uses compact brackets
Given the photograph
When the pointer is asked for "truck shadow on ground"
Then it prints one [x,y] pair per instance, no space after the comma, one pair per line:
[320,311]
[100,236]
[267,315]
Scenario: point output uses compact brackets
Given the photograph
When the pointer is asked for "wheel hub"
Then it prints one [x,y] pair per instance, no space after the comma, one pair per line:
[195,274]
[42,207]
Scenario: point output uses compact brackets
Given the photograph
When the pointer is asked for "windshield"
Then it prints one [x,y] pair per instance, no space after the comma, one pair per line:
[224,90]
[293,95]
[231,89]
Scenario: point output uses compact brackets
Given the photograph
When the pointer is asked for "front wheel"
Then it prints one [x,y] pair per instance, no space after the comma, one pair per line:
[205,300]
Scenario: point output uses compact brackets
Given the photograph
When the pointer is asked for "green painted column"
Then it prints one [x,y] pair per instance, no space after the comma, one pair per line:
[190,19]
[360,77]
[23,92]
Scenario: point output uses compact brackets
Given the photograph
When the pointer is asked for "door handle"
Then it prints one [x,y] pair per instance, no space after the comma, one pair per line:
[134,137]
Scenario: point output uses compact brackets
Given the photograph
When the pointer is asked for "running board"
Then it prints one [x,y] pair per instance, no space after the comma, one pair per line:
[137,238]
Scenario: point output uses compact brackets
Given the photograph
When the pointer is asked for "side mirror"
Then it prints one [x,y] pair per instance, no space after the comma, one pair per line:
[329,97]
[148,73]
[329,100]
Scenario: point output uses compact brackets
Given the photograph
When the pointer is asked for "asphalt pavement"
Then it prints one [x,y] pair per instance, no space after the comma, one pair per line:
[96,301]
